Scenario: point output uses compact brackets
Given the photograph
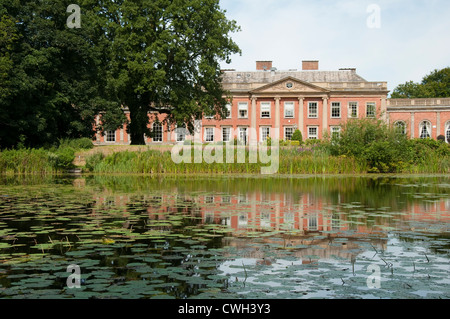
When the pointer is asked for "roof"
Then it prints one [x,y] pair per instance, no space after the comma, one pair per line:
[266,77]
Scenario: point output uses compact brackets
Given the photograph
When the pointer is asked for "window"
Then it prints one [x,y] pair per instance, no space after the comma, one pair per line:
[353,109]
[157,132]
[265,110]
[370,110]
[312,110]
[181,133]
[425,130]
[447,132]
[312,222]
[228,111]
[265,133]
[243,110]
[243,135]
[400,127]
[313,133]
[336,221]
[226,134]
[289,110]
[335,132]
[111,136]
[288,133]
[209,134]
[336,110]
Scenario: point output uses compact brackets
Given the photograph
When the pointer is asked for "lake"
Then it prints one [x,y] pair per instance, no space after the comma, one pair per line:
[230,237]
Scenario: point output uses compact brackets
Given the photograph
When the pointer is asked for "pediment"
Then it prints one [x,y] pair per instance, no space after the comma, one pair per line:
[290,85]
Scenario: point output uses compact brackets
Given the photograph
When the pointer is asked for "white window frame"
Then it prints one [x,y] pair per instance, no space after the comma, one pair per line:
[209,135]
[315,136]
[447,132]
[180,132]
[229,134]
[159,138]
[374,105]
[243,106]
[425,124]
[110,136]
[313,222]
[285,135]
[336,105]
[311,115]
[403,124]
[266,107]
[336,130]
[241,131]
[289,106]
[229,111]
[350,110]
[264,134]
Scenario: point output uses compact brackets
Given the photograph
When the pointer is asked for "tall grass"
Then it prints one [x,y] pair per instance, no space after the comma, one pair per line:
[42,161]
[291,161]
[28,161]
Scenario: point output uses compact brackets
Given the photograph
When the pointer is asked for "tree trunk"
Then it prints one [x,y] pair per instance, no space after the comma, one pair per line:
[138,125]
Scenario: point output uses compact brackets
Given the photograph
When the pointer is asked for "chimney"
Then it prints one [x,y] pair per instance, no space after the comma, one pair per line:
[310,65]
[263,65]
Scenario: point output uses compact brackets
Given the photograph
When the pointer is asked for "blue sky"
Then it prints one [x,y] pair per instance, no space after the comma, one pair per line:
[413,38]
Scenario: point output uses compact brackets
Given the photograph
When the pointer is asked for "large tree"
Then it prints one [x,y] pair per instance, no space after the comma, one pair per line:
[165,57]
[53,79]
[434,85]
[146,55]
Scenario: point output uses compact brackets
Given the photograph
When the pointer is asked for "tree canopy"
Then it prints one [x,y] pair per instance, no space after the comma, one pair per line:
[434,85]
[147,55]
[165,57]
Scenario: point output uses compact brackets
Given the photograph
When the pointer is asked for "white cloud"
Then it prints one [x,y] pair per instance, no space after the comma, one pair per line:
[413,39]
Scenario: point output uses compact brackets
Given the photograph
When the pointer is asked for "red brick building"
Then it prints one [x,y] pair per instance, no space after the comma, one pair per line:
[272,103]
[421,118]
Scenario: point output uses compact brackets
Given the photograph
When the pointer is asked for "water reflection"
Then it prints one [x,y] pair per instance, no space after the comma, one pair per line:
[227,236]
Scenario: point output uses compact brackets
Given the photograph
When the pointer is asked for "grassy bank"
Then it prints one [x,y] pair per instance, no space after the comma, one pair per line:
[315,159]
[44,161]
[363,147]
[291,161]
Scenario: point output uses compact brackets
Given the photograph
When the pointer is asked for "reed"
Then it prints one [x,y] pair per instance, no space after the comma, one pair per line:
[26,161]
[291,161]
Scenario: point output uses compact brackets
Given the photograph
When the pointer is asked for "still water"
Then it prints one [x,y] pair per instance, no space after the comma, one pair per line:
[232,237]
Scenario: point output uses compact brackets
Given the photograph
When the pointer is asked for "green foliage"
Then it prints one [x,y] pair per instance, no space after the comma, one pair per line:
[310,142]
[297,136]
[77,144]
[52,78]
[292,161]
[93,160]
[173,60]
[383,150]
[64,158]
[434,85]
[36,161]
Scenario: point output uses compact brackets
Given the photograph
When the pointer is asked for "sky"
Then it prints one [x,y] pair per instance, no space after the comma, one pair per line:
[392,41]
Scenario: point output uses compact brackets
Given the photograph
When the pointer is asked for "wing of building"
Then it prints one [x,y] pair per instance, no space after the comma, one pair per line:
[267,102]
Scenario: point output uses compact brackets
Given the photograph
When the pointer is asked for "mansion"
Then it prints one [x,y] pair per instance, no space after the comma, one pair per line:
[272,103]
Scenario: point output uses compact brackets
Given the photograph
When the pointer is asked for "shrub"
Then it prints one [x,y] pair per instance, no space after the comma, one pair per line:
[297,136]
[64,158]
[93,160]
[374,144]
[77,144]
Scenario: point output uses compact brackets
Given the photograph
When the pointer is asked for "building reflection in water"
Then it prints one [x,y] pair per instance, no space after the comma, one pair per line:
[306,224]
